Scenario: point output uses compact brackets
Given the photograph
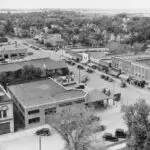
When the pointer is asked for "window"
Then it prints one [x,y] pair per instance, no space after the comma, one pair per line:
[50,111]
[13,55]
[34,120]
[4,113]
[33,111]
[65,104]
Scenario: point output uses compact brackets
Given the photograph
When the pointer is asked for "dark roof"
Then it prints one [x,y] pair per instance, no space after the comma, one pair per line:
[96,95]
[42,92]
[48,63]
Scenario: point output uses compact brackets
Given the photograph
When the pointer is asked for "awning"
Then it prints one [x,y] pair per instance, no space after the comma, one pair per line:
[114,73]
[123,76]
[95,96]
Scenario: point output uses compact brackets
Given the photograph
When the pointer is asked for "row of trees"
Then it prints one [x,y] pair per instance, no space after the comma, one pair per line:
[29,72]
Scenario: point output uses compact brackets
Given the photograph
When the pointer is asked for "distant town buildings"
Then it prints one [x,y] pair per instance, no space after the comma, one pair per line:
[6,112]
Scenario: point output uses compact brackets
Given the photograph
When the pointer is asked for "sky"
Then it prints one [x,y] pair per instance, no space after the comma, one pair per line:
[102,4]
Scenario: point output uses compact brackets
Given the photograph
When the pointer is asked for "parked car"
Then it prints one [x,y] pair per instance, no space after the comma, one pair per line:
[110,80]
[117,97]
[123,85]
[80,67]
[110,137]
[81,86]
[106,77]
[89,70]
[120,133]
[93,67]
[30,53]
[43,132]
[102,76]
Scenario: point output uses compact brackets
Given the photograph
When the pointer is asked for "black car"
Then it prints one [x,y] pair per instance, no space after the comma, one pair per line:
[43,132]
[120,133]
[106,77]
[80,67]
[110,137]
[102,76]
[80,86]
[89,71]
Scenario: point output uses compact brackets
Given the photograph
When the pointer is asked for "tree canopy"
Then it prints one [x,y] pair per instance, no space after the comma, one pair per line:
[137,119]
[75,124]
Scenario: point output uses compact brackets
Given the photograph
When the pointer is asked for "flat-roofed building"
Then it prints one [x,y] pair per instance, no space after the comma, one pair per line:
[35,101]
[6,112]
[9,50]
[43,63]
[137,66]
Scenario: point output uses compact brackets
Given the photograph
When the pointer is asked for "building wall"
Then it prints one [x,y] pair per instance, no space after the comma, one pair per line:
[10,53]
[43,118]
[38,112]
[8,119]
[134,69]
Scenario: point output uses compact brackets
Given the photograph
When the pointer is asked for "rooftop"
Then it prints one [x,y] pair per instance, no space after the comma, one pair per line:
[43,92]
[97,55]
[3,95]
[11,46]
[44,62]
[95,95]
[144,61]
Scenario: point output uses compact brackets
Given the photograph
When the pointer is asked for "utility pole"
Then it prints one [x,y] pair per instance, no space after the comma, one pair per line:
[39,142]
[113,92]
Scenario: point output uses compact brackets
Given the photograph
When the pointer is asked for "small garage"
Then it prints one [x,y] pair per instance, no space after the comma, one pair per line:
[5,128]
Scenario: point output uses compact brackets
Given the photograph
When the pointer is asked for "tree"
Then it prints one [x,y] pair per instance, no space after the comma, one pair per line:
[136,118]
[29,72]
[75,125]
[9,27]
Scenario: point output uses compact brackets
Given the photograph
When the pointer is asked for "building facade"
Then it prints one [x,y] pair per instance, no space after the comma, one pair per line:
[8,51]
[135,66]
[6,113]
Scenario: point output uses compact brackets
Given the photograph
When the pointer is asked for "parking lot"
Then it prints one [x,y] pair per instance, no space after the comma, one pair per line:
[27,140]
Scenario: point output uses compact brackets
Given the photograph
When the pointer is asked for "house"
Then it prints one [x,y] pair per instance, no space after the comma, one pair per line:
[6,112]
[54,39]
[33,31]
